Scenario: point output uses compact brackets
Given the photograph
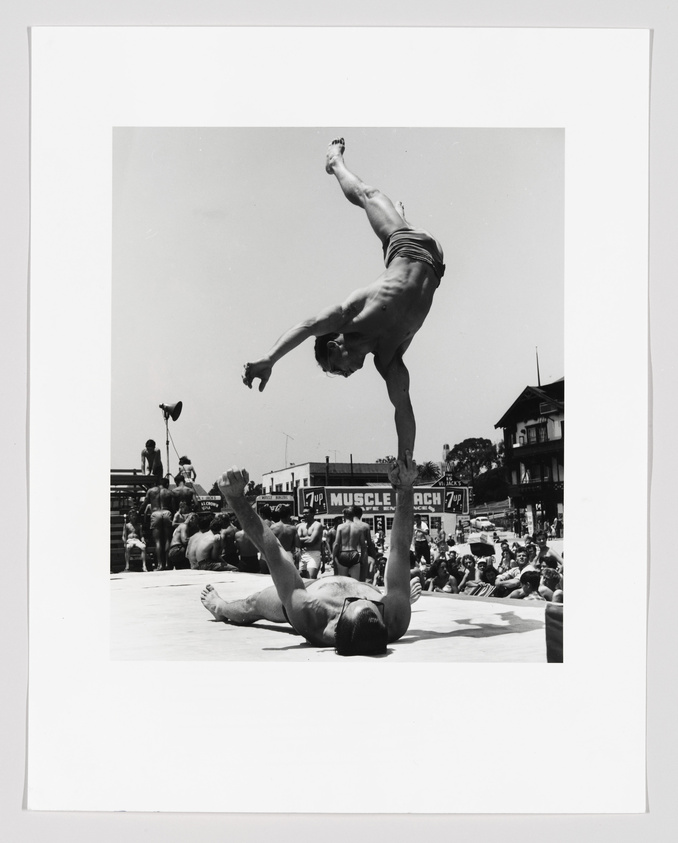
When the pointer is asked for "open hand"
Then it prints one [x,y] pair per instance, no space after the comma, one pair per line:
[403,473]
[261,369]
[233,482]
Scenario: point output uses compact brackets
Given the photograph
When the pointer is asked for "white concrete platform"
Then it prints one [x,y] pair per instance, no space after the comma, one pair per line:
[159,616]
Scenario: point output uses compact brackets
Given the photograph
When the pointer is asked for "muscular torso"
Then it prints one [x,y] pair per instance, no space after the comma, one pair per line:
[286,535]
[313,532]
[385,316]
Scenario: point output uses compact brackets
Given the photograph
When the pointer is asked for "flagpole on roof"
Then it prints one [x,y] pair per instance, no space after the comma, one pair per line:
[536,350]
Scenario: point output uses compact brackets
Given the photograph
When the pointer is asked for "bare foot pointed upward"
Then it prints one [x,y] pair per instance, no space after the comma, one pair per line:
[211,600]
[334,151]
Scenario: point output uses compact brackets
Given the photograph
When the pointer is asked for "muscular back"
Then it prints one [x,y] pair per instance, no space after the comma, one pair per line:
[286,535]
[160,498]
[350,536]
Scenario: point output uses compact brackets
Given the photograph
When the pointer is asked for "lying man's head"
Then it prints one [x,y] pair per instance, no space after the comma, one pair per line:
[361,630]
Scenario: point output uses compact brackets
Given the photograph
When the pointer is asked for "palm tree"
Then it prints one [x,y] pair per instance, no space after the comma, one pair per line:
[428,472]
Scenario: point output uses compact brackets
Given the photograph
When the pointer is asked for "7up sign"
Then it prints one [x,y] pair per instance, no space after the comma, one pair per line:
[456,500]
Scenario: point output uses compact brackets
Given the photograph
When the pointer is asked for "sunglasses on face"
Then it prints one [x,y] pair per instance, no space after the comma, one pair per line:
[349,600]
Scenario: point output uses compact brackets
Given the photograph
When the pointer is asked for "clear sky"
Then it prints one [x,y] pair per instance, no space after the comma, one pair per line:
[224,238]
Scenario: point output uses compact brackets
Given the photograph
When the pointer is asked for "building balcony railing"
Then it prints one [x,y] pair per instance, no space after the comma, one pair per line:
[551,446]
[536,487]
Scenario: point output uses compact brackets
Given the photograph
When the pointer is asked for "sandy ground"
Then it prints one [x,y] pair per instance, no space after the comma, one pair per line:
[159,616]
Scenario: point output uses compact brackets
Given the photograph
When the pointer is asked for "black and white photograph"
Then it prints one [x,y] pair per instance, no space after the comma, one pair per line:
[393,299]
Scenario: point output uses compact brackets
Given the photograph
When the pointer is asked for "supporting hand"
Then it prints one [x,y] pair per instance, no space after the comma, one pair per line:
[233,482]
[261,369]
[403,473]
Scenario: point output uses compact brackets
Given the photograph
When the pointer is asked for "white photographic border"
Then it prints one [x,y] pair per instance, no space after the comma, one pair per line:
[165,737]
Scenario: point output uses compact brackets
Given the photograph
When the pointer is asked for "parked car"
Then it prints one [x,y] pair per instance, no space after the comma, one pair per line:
[482,523]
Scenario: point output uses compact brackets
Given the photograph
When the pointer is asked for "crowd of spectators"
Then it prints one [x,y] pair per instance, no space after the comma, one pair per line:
[528,569]
[525,569]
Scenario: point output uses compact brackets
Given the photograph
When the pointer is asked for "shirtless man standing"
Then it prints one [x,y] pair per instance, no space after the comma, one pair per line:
[350,547]
[364,528]
[353,617]
[380,319]
[161,503]
[285,531]
[310,534]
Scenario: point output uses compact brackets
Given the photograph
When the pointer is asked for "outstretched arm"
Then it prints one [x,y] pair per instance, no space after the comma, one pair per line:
[331,319]
[398,384]
[402,475]
[285,576]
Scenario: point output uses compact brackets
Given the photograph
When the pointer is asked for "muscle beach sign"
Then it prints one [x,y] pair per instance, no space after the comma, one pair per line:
[375,500]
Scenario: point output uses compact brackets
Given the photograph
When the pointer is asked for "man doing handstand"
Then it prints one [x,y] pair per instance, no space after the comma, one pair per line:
[380,319]
[353,617]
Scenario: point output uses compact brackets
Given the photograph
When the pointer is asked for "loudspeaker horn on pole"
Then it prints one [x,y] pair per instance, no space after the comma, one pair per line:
[172,411]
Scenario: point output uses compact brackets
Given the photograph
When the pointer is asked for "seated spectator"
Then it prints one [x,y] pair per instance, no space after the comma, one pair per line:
[177,558]
[529,586]
[205,551]
[131,539]
[550,582]
[507,561]
[181,514]
[510,580]
[460,570]
[547,554]
[483,578]
[229,547]
[438,576]
[487,573]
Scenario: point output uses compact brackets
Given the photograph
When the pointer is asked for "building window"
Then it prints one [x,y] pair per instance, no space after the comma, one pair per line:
[389,523]
[279,487]
[537,433]
[305,481]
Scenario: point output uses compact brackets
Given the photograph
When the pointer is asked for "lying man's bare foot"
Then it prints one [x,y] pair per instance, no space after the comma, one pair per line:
[415,590]
[211,601]
[334,151]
